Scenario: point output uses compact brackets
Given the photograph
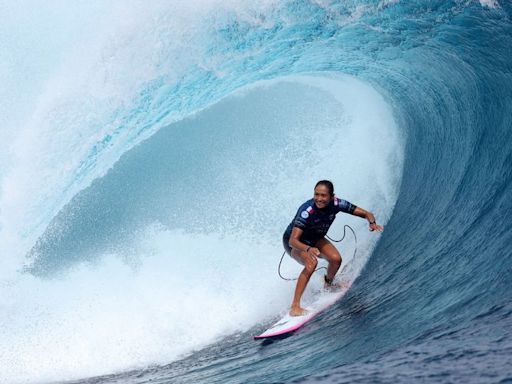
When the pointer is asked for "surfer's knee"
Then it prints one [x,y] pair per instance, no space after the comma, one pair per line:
[310,265]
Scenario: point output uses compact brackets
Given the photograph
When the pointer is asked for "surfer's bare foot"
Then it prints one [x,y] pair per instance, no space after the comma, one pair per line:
[298,311]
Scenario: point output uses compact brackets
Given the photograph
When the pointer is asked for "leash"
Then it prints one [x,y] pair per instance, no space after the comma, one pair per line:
[336,241]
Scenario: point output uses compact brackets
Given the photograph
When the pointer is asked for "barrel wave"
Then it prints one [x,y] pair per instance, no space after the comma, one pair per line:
[152,156]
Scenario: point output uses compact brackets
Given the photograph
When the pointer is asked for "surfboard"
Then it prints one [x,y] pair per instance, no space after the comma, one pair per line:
[289,324]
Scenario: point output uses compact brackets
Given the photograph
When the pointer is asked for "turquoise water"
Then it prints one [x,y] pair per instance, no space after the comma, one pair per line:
[153,155]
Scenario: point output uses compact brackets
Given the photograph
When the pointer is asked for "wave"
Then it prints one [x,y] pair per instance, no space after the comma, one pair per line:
[196,205]
[162,154]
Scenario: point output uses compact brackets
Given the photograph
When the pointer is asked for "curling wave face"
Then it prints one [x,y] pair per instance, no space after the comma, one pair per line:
[159,156]
[130,261]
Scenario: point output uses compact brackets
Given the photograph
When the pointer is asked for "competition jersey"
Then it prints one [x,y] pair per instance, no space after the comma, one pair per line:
[316,222]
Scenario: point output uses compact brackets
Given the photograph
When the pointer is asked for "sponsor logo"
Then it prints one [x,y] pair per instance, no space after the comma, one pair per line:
[304,214]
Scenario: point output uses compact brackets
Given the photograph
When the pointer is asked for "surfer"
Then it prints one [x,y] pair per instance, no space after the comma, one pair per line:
[305,241]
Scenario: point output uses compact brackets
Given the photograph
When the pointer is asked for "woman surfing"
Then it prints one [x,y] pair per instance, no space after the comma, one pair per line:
[305,241]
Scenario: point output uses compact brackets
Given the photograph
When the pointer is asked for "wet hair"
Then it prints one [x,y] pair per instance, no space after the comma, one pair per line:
[328,185]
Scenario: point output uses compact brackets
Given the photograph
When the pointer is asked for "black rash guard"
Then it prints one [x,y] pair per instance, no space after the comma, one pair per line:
[315,222]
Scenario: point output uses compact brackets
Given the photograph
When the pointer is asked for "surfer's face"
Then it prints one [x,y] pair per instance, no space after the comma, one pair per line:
[322,196]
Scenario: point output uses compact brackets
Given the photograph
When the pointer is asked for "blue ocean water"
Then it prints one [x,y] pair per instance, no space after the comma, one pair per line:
[152,155]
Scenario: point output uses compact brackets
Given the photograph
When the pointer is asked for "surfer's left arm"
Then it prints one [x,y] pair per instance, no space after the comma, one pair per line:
[370,217]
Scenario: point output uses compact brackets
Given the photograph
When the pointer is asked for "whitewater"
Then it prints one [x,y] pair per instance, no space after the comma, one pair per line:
[153,154]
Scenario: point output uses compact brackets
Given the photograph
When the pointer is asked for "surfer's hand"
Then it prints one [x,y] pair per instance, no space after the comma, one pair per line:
[313,251]
[376,227]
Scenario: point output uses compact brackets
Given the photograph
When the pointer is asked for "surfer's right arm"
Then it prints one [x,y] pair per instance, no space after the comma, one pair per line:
[297,244]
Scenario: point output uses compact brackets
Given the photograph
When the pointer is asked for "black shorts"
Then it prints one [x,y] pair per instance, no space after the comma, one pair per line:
[286,240]
[286,246]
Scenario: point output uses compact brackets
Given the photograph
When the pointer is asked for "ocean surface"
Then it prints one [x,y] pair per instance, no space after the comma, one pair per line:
[152,154]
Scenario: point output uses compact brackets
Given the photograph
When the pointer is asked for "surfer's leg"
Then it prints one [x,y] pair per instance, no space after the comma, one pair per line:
[309,263]
[332,255]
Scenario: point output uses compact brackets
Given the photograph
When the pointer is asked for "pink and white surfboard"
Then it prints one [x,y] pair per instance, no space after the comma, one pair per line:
[289,324]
